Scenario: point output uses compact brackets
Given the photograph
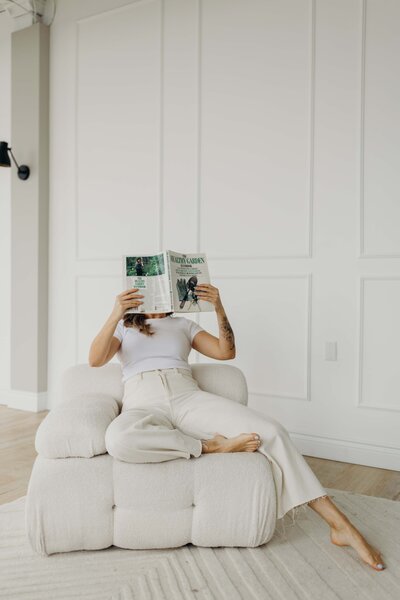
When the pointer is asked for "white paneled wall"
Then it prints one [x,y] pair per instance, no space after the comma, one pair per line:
[253,131]
[263,132]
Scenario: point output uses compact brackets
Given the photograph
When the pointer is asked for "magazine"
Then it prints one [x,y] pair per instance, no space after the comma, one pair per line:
[167,281]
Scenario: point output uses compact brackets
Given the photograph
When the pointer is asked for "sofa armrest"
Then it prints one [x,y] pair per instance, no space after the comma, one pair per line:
[76,427]
[223,380]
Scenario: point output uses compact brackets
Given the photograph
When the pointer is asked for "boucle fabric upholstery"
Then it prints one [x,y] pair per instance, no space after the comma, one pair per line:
[81,498]
[76,427]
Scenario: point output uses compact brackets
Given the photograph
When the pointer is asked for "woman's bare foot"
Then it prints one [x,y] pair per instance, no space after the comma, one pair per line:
[348,535]
[343,532]
[245,442]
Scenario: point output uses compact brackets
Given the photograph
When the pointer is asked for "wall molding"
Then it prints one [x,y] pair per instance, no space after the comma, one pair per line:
[359,453]
[308,278]
[309,252]
[359,402]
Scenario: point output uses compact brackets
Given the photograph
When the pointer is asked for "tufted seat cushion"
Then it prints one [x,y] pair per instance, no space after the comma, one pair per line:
[213,500]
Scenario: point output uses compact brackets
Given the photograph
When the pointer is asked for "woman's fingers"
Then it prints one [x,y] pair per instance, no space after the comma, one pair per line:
[128,292]
[131,302]
[129,298]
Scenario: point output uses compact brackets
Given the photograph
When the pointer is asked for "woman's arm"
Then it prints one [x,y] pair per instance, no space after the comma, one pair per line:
[105,345]
[226,336]
[222,347]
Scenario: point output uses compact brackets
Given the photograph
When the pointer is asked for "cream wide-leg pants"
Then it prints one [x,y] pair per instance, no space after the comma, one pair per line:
[165,415]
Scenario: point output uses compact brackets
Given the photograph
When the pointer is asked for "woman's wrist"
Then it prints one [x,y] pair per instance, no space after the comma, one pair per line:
[114,319]
[219,309]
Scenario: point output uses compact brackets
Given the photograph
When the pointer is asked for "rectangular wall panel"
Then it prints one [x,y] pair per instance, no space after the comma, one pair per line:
[270,317]
[256,127]
[379,343]
[118,131]
[380,174]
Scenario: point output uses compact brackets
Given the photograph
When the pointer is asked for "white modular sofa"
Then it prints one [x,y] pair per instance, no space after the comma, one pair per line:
[81,498]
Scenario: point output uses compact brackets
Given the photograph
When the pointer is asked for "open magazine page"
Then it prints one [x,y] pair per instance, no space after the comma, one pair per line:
[186,271]
[149,274]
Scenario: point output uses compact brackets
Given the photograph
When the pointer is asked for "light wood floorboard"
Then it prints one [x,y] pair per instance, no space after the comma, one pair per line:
[17,455]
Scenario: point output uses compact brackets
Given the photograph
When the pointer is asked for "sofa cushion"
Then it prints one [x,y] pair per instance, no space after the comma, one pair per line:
[76,427]
[84,379]
[69,505]
[225,499]
[224,380]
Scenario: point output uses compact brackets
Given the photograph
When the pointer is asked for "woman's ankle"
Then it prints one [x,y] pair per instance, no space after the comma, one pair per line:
[204,447]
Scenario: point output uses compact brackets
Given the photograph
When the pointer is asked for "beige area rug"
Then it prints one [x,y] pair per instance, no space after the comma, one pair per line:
[301,564]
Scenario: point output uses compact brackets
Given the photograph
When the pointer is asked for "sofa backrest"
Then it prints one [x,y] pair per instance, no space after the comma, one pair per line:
[224,380]
[84,379]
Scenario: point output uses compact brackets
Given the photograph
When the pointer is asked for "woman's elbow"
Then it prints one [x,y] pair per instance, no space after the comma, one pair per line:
[94,363]
[229,356]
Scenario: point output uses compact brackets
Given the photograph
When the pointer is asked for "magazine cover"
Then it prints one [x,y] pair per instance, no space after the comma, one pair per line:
[167,281]
[185,272]
[149,273]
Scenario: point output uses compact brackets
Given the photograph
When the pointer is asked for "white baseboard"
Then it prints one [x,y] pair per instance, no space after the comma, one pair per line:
[23,400]
[357,453]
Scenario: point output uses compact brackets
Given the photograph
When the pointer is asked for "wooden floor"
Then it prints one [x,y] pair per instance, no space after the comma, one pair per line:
[17,454]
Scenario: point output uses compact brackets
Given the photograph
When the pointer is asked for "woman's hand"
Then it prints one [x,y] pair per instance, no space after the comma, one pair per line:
[125,300]
[208,292]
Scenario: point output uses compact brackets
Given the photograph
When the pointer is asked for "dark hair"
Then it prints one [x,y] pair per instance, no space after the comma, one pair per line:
[138,320]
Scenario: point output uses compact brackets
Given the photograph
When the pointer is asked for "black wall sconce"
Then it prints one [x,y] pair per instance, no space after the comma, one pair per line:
[23,170]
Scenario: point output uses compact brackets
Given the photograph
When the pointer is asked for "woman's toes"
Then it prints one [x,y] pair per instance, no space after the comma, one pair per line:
[251,446]
[377,562]
[254,445]
[350,536]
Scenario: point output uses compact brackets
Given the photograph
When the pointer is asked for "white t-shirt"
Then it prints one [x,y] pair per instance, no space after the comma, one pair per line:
[168,347]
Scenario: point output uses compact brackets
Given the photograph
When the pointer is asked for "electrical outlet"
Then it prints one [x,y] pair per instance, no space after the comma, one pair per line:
[330,350]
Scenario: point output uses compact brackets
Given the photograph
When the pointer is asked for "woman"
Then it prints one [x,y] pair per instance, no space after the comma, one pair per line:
[165,415]
[139,267]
